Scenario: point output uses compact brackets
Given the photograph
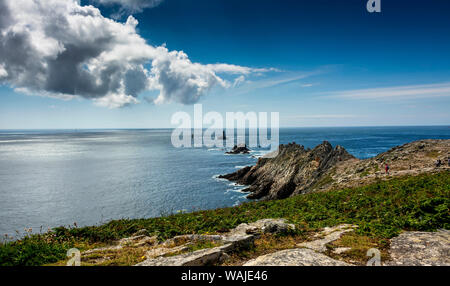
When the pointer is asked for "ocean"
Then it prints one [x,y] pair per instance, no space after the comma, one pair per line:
[50,178]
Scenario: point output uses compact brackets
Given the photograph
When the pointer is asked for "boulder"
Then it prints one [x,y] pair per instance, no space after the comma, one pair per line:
[264,226]
[295,257]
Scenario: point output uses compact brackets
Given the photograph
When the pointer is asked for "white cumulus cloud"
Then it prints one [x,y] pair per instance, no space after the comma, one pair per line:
[62,49]
[3,72]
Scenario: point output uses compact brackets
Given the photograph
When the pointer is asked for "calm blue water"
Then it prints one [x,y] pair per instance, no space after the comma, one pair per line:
[53,178]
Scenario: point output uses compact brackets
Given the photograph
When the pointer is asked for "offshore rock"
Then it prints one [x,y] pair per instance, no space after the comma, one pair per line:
[239,149]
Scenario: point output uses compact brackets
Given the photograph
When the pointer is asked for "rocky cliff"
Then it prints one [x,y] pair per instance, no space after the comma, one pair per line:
[296,170]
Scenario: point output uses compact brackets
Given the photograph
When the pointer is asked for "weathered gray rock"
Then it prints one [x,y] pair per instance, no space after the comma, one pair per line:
[139,240]
[295,257]
[328,234]
[264,226]
[238,241]
[421,249]
[197,258]
[341,250]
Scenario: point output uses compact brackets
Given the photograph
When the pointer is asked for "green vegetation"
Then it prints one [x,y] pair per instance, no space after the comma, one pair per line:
[381,210]
[376,168]
[359,245]
[433,154]
[323,182]
[124,257]
[364,173]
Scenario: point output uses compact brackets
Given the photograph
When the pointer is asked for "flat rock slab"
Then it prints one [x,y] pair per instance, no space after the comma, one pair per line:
[295,257]
[417,248]
[197,258]
[328,234]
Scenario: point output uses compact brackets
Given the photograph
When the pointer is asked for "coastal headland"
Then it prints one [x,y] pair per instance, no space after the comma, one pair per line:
[319,206]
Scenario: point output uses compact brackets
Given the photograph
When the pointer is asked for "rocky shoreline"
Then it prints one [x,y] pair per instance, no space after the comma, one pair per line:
[296,170]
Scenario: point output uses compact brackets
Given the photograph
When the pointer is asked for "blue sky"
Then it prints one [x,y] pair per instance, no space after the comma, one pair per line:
[334,64]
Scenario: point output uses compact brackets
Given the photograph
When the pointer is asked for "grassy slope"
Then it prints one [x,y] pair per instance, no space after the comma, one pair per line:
[381,210]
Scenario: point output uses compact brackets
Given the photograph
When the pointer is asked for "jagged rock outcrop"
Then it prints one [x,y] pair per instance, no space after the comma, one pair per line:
[239,149]
[296,170]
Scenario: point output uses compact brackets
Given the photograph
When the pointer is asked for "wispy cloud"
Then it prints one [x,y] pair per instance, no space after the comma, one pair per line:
[281,77]
[127,7]
[410,91]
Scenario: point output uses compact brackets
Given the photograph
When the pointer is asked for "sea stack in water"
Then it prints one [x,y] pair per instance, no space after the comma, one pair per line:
[239,149]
